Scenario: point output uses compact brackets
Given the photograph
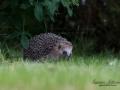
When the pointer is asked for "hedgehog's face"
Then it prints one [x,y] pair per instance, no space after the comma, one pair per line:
[63,49]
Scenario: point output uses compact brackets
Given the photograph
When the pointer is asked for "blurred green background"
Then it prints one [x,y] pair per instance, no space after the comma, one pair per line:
[91,25]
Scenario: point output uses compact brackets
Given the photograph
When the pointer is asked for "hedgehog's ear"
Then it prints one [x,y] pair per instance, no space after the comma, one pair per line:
[59,46]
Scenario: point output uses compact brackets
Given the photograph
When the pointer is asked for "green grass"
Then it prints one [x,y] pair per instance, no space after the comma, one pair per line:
[76,74]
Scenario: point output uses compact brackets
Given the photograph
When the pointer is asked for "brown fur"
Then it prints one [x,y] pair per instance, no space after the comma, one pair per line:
[47,45]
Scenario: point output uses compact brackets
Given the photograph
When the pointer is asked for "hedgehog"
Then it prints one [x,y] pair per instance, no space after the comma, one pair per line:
[48,46]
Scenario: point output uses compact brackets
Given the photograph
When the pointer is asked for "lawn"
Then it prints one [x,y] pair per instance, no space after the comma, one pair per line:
[79,73]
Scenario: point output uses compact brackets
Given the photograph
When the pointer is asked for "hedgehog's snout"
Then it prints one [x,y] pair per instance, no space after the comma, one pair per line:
[66,54]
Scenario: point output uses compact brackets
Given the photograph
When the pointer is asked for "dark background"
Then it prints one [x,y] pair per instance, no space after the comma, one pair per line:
[93,27]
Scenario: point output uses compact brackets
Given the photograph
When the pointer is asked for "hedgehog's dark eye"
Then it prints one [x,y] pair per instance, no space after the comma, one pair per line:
[59,47]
